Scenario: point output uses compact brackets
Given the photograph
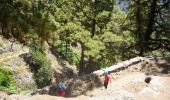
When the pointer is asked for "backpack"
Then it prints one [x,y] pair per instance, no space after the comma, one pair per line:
[61,85]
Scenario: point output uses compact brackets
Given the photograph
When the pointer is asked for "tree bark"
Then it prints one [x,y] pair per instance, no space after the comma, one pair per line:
[139,28]
[81,64]
[66,46]
[93,28]
[152,15]
[2,29]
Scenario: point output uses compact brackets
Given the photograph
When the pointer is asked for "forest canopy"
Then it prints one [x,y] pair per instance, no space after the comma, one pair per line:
[90,33]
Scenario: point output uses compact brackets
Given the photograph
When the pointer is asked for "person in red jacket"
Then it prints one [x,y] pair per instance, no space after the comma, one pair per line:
[107,79]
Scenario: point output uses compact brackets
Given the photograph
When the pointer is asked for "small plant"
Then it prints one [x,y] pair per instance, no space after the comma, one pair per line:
[6,77]
[7,82]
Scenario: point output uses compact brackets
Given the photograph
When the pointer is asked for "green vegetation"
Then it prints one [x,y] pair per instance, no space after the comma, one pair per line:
[71,56]
[105,33]
[6,77]
[41,67]
[7,82]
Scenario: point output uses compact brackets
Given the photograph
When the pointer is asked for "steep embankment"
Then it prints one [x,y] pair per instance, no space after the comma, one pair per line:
[62,69]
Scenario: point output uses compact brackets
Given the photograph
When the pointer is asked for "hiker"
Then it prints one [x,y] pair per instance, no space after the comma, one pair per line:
[107,79]
[106,71]
[61,89]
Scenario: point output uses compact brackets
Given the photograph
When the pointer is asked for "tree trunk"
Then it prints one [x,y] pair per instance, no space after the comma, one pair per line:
[66,45]
[93,28]
[81,64]
[152,15]
[2,29]
[139,27]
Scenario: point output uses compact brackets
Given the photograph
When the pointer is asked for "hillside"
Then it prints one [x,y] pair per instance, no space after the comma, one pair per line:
[127,84]
[46,42]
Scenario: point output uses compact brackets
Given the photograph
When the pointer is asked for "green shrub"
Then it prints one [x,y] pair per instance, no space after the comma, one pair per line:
[43,76]
[7,82]
[11,89]
[41,67]
[37,59]
[37,47]
[70,56]
[6,77]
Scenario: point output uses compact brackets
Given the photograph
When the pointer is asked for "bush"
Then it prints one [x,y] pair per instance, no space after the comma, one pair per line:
[37,47]
[41,67]
[43,76]
[6,77]
[37,59]
[7,82]
[71,56]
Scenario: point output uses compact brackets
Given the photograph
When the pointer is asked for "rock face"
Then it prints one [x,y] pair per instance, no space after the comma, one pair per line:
[120,66]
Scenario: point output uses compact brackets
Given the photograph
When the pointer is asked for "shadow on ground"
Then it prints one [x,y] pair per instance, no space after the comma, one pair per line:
[78,86]
[157,66]
[83,84]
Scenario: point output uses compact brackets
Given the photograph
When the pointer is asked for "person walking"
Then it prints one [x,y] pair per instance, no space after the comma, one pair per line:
[107,79]
[61,89]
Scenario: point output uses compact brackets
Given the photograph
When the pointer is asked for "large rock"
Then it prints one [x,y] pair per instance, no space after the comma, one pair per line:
[120,66]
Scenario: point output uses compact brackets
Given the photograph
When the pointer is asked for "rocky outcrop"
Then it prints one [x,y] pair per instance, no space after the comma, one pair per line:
[121,66]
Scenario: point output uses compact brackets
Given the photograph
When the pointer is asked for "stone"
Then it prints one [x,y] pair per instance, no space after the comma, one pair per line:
[148,79]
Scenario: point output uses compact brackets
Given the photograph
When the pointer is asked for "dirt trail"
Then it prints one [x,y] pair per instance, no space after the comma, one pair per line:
[132,87]
[129,86]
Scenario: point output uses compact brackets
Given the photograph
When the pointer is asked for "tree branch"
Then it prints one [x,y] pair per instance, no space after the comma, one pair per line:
[163,6]
[85,14]
[163,28]
[159,44]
